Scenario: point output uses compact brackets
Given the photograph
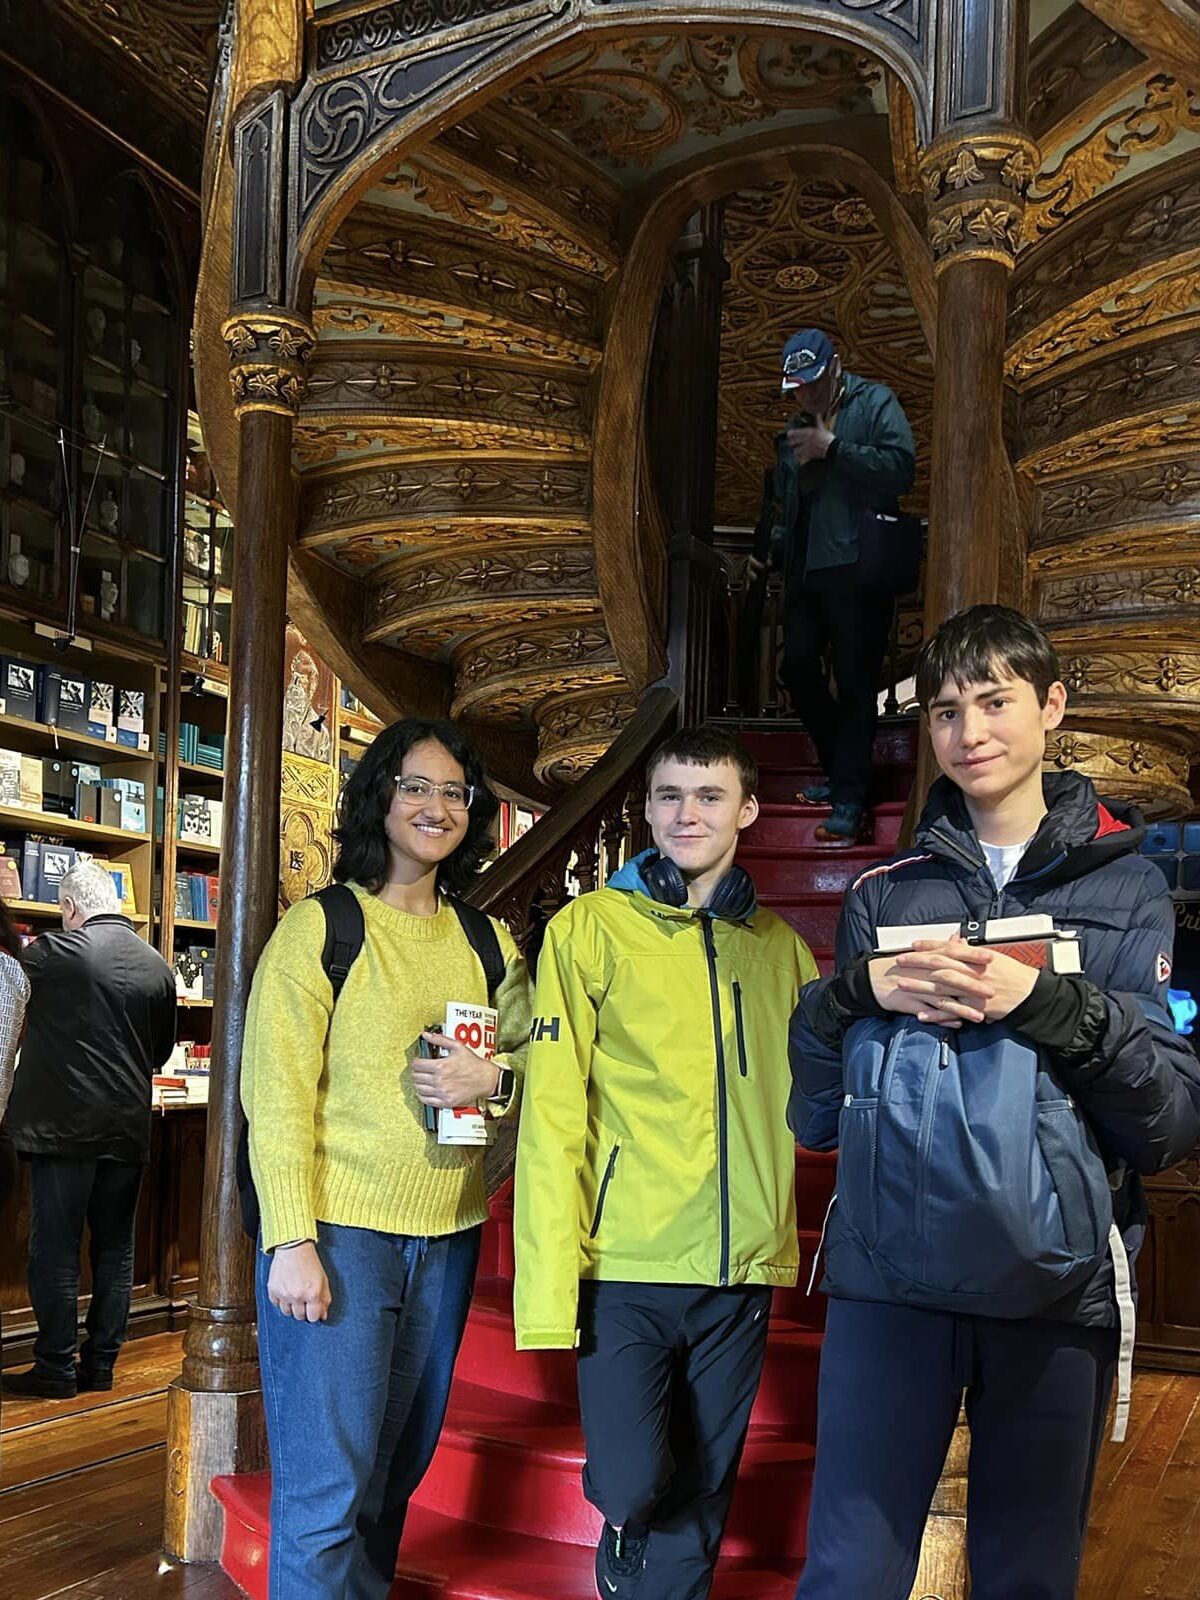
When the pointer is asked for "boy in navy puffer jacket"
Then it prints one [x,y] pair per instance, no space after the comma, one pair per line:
[999,838]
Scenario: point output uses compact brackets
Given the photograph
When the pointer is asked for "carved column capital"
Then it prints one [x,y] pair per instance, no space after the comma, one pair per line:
[268,355]
[975,186]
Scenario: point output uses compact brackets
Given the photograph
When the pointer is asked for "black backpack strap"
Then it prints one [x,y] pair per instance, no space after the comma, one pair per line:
[481,935]
[344,933]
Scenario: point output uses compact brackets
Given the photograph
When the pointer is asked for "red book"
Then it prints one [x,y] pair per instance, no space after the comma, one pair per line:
[214,897]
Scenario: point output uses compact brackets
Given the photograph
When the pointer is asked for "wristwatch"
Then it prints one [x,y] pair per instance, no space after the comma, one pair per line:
[504,1089]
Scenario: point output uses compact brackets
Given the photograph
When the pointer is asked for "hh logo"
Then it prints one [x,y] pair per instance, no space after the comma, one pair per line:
[544,1028]
[1162,968]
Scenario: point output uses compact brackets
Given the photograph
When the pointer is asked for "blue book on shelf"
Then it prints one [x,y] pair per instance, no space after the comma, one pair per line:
[198,886]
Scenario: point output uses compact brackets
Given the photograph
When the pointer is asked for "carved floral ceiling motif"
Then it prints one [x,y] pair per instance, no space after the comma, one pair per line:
[807,252]
[631,105]
[171,42]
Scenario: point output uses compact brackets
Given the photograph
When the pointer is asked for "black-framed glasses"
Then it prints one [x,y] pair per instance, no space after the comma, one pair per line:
[416,791]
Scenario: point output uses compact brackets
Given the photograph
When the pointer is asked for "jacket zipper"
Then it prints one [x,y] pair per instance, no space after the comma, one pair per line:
[741,1031]
[710,950]
[604,1183]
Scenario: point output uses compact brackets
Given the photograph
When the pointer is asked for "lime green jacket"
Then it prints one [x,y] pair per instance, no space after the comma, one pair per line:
[654,1145]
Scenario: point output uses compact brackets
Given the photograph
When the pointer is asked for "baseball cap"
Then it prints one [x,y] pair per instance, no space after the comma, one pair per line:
[805,357]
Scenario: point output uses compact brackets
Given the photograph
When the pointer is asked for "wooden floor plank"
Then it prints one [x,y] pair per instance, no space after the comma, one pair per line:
[145,1365]
[68,1444]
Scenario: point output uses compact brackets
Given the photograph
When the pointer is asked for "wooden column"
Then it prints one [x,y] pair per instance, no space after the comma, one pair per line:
[684,442]
[214,1417]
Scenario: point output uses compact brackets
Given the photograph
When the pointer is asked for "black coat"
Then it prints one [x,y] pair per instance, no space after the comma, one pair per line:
[100,1023]
[1108,1034]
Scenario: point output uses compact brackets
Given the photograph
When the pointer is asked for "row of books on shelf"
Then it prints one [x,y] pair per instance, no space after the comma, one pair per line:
[76,789]
[33,868]
[197,896]
[208,751]
[36,692]
[185,1077]
[195,971]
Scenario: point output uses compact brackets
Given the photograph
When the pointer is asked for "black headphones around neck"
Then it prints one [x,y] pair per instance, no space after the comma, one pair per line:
[733,897]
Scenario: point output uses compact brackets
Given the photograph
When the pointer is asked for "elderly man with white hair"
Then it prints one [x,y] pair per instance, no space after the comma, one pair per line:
[100,1024]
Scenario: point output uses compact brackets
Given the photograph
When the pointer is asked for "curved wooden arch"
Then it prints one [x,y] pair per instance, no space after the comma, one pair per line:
[557,37]
[19,95]
[161,221]
[619,431]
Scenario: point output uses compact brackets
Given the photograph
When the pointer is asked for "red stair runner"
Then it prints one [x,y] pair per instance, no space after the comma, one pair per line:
[501,1514]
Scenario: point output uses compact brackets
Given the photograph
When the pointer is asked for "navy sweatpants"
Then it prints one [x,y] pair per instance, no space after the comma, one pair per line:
[667,1379]
[892,1380]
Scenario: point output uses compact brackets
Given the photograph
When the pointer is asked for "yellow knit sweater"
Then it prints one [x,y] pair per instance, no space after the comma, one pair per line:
[336,1131]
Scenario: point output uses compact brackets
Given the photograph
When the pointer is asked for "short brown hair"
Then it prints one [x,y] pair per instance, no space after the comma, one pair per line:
[706,747]
[986,642]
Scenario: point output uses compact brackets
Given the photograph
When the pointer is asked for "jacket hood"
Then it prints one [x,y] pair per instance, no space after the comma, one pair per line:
[629,880]
[1079,832]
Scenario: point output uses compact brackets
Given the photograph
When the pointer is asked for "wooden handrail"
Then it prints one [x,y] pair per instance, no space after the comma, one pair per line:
[573,848]
[523,867]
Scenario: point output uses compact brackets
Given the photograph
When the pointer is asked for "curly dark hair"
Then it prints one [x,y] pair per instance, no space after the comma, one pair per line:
[362,840]
[9,938]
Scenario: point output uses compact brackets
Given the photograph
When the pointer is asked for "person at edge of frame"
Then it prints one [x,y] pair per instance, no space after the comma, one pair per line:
[1079,1073]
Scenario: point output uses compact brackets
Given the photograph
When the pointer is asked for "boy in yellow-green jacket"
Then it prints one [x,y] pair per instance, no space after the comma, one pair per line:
[655,1203]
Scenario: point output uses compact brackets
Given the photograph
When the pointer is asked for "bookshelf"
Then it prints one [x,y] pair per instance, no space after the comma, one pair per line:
[45,764]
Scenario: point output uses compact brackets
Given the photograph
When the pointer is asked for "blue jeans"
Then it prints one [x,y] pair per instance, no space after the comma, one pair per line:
[355,1404]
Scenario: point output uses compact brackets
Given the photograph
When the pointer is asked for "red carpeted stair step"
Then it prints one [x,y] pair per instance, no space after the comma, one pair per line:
[787,829]
[514,1464]
[443,1560]
[488,1359]
[810,872]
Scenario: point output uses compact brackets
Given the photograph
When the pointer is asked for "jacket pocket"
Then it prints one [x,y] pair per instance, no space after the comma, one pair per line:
[856,1190]
[743,1062]
[1078,1176]
[602,1194]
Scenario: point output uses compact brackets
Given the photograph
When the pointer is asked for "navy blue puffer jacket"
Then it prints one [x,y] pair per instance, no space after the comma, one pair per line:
[1136,1080]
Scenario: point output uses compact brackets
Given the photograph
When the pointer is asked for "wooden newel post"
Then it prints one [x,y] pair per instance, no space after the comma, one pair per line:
[214,1414]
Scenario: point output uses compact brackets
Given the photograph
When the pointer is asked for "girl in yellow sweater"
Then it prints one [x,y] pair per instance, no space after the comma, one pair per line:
[370,1228]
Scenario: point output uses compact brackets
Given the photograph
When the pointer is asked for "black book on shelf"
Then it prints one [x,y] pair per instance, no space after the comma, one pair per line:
[66,700]
[21,687]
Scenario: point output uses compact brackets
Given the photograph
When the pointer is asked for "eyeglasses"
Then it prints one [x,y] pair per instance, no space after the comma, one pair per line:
[415,792]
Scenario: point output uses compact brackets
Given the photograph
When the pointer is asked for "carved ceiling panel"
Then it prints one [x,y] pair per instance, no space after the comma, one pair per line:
[806,251]
[636,104]
[1153,122]
[438,266]
[1071,62]
[171,43]
[422,496]
[385,382]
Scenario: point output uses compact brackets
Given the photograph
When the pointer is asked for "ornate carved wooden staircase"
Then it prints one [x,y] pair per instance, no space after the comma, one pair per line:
[501,1514]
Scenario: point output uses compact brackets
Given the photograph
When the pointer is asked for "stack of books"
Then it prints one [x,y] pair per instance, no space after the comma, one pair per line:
[200,818]
[197,896]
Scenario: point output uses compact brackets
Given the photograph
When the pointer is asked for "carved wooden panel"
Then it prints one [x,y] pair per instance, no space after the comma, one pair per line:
[508,669]
[1153,218]
[423,495]
[447,268]
[308,798]
[1111,389]
[1160,497]
[1073,59]
[390,381]
[172,41]
[575,729]
[1150,770]
[352,314]
[446,593]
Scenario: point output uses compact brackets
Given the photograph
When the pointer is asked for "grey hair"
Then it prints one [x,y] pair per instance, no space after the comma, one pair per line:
[91,887]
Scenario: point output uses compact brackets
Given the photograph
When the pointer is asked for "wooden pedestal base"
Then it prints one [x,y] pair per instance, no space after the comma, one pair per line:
[207,1434]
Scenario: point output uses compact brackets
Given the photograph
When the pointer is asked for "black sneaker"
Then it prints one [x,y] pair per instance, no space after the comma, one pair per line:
[620,1563]
[35,1385]
[87,1380]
